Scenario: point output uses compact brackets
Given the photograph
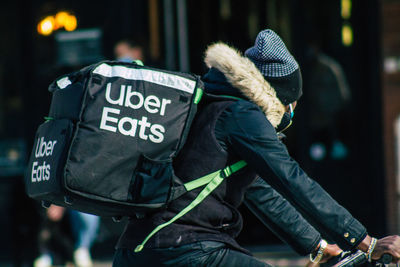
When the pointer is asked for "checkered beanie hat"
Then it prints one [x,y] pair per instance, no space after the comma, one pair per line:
[277,65]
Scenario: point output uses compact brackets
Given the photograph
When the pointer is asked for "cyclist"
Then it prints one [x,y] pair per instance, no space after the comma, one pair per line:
[268,79]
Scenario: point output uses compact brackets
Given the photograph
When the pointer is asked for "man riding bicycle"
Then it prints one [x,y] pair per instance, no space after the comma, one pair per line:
[267,82]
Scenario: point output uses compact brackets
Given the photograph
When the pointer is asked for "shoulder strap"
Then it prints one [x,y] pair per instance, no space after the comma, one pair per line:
[212,181]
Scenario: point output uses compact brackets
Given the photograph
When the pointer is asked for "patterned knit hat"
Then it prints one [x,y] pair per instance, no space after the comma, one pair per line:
[277,65]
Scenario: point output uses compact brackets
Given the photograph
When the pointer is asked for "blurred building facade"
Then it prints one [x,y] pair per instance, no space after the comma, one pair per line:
[362,37]
[390,91]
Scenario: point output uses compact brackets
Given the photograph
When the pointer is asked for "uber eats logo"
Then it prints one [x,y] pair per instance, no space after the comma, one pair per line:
[41,171]
[125,96]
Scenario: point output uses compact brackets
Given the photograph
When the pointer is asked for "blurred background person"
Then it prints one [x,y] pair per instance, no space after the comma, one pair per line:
[84,227]
[127,50]
[54,238]
[329,95]
[56,245]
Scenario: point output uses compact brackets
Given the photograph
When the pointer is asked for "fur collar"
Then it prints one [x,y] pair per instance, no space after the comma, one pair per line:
[242,74]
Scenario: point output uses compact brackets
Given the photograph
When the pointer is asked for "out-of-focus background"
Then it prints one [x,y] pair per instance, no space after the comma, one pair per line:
[346,131]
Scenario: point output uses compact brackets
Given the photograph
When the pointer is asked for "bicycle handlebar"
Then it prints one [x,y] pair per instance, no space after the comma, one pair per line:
[358,258]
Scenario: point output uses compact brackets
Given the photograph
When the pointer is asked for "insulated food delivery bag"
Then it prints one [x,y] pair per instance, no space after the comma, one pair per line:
[108,142]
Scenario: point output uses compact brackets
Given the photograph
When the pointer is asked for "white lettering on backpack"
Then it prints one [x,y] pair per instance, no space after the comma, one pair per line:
[136,100]
[142,128]
[44,148]
[41,172]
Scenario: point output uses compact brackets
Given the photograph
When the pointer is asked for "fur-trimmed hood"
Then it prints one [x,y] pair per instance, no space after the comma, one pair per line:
[242,74]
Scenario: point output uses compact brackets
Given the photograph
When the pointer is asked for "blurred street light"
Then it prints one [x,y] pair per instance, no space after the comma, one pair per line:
[70,23]
[62,19]
[347,30]
[46,26]
[346,9]
[347,35]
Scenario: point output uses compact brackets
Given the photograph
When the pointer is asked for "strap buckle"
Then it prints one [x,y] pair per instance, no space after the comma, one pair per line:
[226,172]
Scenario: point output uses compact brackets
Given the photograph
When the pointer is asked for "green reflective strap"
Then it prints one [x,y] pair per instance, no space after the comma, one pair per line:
[200,181]
[48,118]
[212,180]
[206,179]
[139,62]
[237,166]
[201,196]
[234,168]
[198,96]
[227,171]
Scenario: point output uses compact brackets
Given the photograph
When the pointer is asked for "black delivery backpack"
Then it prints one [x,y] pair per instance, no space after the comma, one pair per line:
[109,140]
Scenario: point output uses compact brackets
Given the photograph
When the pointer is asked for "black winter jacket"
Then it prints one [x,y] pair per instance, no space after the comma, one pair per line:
[282,194]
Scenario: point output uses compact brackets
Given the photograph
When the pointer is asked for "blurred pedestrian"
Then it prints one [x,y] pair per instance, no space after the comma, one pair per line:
[56,245]
[54,239]
[84,227]
[329,95]
[126,50]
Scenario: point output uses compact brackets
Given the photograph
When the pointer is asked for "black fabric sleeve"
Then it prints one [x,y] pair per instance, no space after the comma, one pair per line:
[281,217]
[251,136]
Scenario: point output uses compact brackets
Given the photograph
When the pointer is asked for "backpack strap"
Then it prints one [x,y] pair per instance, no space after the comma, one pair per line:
[227,171]
[212,181]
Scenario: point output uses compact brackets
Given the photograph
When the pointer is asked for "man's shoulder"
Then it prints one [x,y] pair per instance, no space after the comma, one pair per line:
[245,108]
[245,116]
[233,101]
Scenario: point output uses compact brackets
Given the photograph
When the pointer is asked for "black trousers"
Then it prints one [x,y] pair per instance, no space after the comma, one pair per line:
[203,253]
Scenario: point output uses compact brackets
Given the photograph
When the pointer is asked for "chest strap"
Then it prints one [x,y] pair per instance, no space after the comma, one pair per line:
[212,181]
